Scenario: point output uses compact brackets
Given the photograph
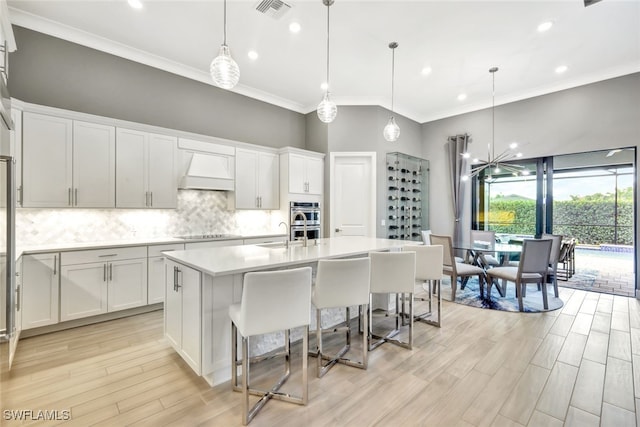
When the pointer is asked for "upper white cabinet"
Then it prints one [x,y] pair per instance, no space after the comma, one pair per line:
[305,173]
[145,170]
[47,146]
[67,163]
[257,175]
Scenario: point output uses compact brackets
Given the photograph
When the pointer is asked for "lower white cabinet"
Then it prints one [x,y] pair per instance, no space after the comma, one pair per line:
[40,290]
[103,280]
[156,274]
[183,312]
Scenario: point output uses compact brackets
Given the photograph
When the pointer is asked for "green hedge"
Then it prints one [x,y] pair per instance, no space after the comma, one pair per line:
[589,219]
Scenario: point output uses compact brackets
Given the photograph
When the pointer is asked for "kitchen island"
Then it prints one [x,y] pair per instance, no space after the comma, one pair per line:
[203,283]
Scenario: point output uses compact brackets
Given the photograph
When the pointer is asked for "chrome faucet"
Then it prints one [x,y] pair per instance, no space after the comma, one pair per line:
[286,232]
[304,217]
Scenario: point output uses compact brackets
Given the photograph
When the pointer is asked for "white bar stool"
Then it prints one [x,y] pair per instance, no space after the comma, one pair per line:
[341,283]
[271,301]
[393,272]
[429,261]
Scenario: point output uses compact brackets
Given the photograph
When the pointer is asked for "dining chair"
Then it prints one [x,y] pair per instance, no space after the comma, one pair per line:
[455,269]
[393,272]
[271,301]
[341,283]
[554,258]
[532,268]
[425,236]
[485,238]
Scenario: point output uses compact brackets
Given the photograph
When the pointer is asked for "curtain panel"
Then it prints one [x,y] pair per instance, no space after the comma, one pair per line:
[456,146]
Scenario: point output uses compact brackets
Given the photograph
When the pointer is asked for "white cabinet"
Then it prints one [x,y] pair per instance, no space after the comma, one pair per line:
[257,176]
[15,142]
[47,146]
[103,280]
[145,170]
[183,312]
[67,163]
[40,290]
[303,173]
[156,273]
[94,165]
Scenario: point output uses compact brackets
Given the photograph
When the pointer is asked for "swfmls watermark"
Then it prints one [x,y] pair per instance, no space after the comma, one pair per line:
[36,415]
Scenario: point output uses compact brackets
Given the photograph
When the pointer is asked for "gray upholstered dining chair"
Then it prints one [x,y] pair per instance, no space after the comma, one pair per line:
[554,258]
[488,238]
[532,268]
[455,269]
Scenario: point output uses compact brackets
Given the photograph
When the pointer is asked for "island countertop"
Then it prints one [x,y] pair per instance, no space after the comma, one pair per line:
[241,259]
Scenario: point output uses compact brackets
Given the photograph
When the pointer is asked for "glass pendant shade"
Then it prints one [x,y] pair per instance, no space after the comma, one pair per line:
[327,109]
[224,70]
[391,131]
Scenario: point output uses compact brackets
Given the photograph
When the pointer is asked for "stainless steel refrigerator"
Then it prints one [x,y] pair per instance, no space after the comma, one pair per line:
[8,294]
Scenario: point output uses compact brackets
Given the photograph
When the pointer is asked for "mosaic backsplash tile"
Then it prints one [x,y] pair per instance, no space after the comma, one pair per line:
[198,212]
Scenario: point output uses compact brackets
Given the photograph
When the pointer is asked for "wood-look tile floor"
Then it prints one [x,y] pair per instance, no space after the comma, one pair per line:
[578,366]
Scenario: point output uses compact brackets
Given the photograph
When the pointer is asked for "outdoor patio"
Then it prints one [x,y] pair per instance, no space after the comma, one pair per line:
[603,271]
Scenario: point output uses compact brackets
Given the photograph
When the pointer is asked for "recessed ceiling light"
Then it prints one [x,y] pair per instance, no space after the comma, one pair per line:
[462,97]
[136,4]
[426,71]
[253,55]
[294,27]
[324,86]
[545,26]
[561,69]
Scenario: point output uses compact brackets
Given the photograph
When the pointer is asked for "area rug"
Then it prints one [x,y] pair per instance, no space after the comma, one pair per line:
[470,295]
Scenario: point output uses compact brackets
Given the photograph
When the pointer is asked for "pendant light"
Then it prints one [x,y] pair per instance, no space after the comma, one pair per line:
[224,70]
[391,131]
[327,109]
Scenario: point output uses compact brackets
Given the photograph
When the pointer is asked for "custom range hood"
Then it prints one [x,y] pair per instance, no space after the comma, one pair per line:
[206,166]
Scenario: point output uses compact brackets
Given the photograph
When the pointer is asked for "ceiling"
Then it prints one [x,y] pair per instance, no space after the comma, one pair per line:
[458,40]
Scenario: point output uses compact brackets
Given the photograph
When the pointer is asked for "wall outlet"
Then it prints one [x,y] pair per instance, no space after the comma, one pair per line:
[382,223]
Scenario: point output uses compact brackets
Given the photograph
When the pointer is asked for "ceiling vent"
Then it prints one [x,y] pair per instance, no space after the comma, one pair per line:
[273,8]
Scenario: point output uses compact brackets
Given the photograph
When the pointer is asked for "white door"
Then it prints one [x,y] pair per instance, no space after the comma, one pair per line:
[40,290]
[83,290]
[315,175]
[246,193]
[353,194]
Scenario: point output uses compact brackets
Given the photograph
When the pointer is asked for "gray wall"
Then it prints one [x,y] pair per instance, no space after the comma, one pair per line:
[359,128]
[598,116]
[49,71]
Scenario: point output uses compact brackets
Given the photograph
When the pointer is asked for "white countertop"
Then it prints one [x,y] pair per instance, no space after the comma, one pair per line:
[74,246]
[240,259]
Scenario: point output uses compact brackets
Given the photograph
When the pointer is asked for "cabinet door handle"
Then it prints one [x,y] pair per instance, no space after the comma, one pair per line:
[178,273]
[55,265]
[175,278]
[110,271]
[104,272]
[20,195]
[151,198]
[106,255]
[76,194]
[146,198]
[18,290]
[69,196]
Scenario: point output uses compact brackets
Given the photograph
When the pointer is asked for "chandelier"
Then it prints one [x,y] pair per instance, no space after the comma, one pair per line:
[495,164]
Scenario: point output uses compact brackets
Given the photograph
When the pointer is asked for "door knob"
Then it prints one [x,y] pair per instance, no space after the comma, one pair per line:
[338,230]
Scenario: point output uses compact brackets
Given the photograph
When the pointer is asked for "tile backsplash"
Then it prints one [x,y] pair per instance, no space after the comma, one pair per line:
[198,212]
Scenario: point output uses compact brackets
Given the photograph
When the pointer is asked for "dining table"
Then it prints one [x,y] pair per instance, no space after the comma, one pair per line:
[475,254]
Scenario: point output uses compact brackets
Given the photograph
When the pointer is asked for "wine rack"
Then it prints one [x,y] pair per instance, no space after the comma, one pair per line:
[407,196]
